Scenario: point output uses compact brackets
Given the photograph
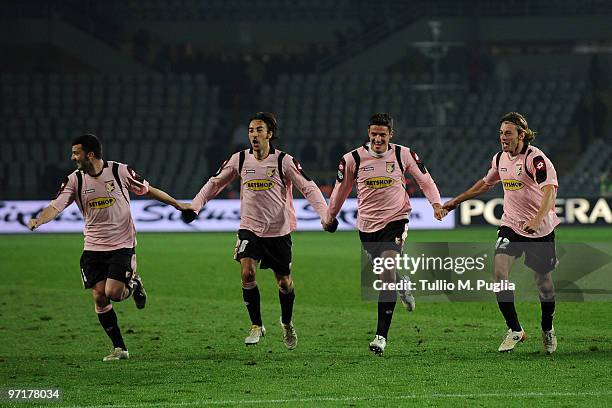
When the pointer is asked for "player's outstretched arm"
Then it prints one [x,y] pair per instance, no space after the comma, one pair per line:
[339,194]
[426,183]
[478,188]
[47,214]
[165,198]
[228,171]
[309,189]
[345,180]
[225,175]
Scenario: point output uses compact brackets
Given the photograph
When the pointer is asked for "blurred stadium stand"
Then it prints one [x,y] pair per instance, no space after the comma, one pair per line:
[157,124]
[177,124]
[456,140]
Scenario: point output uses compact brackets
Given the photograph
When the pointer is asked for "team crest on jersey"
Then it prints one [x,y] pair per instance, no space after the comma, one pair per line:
[110,186]
[390,167]
[519,169]
[270,171]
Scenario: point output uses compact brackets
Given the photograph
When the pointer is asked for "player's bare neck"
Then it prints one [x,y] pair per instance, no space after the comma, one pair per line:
[517,151]
[376,154]
[97,165]
[262,153]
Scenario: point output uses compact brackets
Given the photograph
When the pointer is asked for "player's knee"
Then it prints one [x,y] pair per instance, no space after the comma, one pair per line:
[101,309]
[389,254]
[545,286]
[547,295]
[503,264]
[249,285]
[500,274]
[388,275]
[248,274]
[115,294]
[285,284]
[100,299]
[101,302]
[547,292]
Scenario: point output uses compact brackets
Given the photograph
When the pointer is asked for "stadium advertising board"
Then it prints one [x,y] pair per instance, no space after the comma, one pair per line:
[217,215]
[571,211]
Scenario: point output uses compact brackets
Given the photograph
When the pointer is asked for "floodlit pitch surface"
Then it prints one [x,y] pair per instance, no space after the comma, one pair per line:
[187,346]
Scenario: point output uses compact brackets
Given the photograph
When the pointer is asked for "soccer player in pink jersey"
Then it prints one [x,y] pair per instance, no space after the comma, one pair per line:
[267,218]
[108,263]
[530,187]
[383,207]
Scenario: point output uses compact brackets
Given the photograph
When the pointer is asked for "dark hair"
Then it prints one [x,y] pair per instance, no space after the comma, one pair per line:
[381,119]
[521,125]
[269,119]
[90,143]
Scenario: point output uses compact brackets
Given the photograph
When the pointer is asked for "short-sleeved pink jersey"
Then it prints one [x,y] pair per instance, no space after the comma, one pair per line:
[266,196]
[104,204]
[381,194]
[523,177]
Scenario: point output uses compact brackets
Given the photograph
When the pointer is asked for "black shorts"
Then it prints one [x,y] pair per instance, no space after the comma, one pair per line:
[390,238]
[96,266]
[540,253]
[273,252]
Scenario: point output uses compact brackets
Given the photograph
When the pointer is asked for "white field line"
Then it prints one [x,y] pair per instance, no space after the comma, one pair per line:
[349,399]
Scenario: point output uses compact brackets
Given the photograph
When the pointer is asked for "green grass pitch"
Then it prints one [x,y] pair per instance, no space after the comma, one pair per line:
[187,345]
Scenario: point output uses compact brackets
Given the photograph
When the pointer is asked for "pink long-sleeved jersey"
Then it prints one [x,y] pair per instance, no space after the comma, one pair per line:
[266,197]
[105,203]
[381,194]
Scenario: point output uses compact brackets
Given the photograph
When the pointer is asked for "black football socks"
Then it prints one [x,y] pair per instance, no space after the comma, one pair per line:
[505,301]
[108,320]
[548,312]
[286,298]
[250,294]
[386,305]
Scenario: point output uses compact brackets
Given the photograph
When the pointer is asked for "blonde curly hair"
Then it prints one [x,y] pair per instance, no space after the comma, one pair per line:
[521,125]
